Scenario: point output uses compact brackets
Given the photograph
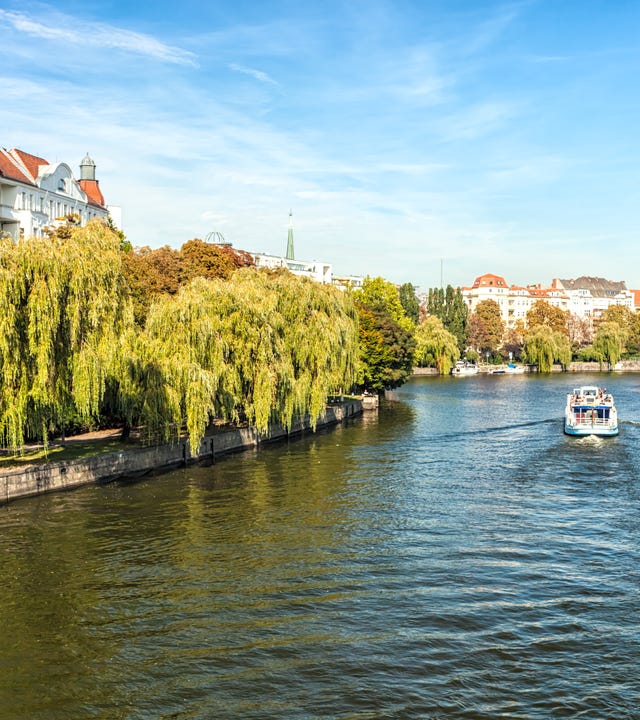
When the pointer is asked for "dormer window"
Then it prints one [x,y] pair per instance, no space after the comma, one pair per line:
[62,186]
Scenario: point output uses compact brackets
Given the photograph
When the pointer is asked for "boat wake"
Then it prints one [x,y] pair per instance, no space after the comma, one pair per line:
[498,429]
[590,440]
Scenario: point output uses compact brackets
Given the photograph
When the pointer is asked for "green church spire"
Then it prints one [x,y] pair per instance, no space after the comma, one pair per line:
[290,239]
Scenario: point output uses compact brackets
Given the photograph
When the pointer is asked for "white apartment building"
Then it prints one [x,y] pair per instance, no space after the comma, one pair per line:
[318,271]
[590,296]
[514,302]
[585,297]
[35,194]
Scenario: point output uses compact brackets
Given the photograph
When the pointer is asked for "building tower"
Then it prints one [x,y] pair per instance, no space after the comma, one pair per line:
[290,239]
[89,183]
[87,168]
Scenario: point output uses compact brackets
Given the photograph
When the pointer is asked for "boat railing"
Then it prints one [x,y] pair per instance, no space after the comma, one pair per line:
[583,420]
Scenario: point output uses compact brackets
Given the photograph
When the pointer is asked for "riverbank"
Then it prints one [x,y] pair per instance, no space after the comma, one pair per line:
[624,366]
[131,460]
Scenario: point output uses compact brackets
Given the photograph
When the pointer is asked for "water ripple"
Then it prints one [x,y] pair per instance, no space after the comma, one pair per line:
[455,557]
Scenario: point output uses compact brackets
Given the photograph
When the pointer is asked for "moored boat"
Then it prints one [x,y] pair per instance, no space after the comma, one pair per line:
[463,367]
[510,369]
[590,410]
[513,369]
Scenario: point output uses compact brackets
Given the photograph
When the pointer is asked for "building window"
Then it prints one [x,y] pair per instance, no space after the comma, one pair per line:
[61,185]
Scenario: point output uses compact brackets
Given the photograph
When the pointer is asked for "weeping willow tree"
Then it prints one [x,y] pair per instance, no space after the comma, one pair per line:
[63,308]
[259,347]
[321,342]
[543,346]
[609,342]
[435,345]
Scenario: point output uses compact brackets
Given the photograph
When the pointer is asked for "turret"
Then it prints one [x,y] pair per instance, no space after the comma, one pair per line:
[89,183]
[87,168]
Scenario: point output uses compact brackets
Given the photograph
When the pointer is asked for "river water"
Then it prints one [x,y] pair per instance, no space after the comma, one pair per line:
[454,556]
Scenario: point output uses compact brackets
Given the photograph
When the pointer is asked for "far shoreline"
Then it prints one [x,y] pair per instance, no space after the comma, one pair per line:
[623,366]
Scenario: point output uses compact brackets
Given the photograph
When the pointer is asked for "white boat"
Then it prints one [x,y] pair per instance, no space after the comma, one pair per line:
[590,411]
[513,369]
[463,367]
[510,369]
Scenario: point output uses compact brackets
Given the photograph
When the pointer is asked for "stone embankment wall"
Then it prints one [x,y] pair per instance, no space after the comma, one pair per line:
[632,366]
[131,462]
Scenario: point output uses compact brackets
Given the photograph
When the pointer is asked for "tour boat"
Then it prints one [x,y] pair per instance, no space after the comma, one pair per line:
[462,367]
[590,411]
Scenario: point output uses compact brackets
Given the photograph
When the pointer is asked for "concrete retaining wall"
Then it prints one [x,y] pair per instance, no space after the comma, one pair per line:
[50,477]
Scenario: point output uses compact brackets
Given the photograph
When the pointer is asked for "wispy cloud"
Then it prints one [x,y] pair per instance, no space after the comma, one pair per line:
[256,74]
[493,28]
[428,128]
[68,30]
[548,58]
[478,120]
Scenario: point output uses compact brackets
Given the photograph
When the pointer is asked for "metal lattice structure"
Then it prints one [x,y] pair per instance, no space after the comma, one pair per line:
[216,238]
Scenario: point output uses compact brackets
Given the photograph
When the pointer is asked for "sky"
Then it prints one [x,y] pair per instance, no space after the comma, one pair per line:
[424,141]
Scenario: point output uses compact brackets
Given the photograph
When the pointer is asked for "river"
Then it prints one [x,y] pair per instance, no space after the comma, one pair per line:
[453,556]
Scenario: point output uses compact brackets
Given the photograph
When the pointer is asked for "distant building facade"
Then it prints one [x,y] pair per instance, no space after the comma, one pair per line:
[321,272]
[35,194]
[514,301]
[584,297]
[590,296]
[351,282]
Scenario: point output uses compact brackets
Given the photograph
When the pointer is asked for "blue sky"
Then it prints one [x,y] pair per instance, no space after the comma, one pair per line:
[407,137]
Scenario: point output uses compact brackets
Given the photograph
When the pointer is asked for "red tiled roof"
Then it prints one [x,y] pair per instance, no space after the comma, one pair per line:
[93,191]
[31,162]
[489,280]
[11,170]
[21,166]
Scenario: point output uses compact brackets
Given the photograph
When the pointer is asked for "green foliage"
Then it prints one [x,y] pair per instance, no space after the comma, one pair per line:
[386,338]
[485,327]
[609,342]
[435,346]
[381,295]
[449,306]
[255,347]
[63,308]
[258,347]
[544,346]
[587,354]
[150,273]
[628,321]
[409,302]
[386,351]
